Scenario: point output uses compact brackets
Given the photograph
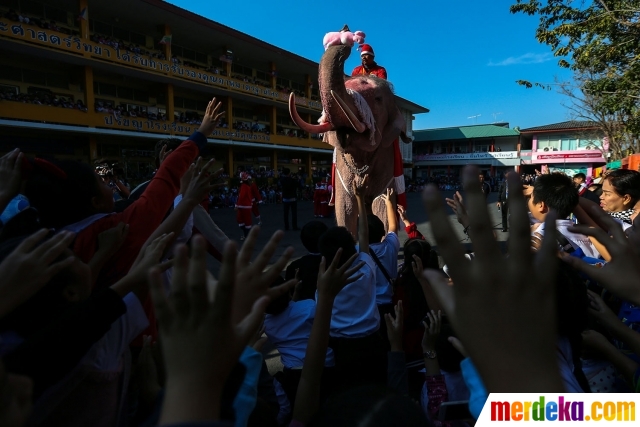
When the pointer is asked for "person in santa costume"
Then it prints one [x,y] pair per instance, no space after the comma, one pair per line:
[244,205]
[370,67]
[256,200]
[317,198]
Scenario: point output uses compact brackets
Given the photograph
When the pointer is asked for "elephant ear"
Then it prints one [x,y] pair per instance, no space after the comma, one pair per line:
[395,126]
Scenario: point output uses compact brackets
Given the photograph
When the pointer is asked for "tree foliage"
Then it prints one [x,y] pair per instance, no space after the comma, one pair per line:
[599,39]
[588,106]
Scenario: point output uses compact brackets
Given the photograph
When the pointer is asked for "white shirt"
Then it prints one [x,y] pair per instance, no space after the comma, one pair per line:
[576,240]
[387,253]
[290,330]
[355,313]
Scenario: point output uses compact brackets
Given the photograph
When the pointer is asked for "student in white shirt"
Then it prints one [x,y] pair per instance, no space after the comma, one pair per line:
[288,324]
[556,191]
[359,349]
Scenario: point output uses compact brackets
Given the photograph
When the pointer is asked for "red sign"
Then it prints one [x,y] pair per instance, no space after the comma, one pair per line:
[581,155]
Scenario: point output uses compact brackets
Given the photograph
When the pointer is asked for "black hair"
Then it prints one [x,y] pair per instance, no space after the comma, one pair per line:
[572,304]
[557,191]
[580,175]
[171,143]
[376,229]
[413,289]
[334,239]
[625,181]
[281,303]
[369,407]
[310,235]
[63,201]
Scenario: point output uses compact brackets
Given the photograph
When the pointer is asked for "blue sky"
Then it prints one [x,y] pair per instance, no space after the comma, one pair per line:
[457,58]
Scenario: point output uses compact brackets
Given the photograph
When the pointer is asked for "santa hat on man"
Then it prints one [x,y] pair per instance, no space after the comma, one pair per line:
[244,177]
[366,49]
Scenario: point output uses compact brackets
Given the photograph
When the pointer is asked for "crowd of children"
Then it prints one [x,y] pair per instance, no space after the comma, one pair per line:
[109,316]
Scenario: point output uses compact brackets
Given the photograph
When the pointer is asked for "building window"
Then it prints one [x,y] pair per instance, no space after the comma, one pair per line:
[547,143]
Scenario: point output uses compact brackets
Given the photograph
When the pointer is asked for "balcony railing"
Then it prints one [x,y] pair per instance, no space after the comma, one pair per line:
[63,116]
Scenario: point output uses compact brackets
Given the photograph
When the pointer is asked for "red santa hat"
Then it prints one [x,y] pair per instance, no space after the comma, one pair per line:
[244,176]
[366,49]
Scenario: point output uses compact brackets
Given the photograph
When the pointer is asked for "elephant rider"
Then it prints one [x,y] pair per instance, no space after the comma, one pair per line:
[370,67]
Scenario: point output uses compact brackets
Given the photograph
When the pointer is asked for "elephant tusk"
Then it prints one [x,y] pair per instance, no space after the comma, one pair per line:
[353,120]
[307,127]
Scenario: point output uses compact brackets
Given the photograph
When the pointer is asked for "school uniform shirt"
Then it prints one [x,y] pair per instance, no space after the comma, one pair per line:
[290,330]
[576,240]
[355,313]
[387,253]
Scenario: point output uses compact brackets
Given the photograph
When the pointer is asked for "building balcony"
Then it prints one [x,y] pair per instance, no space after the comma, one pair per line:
[16,35]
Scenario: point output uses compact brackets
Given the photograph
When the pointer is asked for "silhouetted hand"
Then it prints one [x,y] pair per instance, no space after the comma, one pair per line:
[503,309]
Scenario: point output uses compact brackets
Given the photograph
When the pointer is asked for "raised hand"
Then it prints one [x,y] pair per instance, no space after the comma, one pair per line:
[395,327]
[403,214]
[253,281]
[386,196]
[457,206]
[201,343]
[211,117]
[431,330]
[199,185]
[503,309]
[621,275]
[333,279]
[150,257]
[360,185]
[31,265]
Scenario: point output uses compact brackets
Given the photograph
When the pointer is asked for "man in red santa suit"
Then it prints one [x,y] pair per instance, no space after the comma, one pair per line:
[325,197]
[244,205]
[256,200]
[317,198]
[371,68]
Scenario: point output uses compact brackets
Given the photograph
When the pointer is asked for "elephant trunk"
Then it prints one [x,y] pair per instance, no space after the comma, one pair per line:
[339,107]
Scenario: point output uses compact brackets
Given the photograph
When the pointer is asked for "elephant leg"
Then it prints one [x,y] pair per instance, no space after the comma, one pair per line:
[346,211]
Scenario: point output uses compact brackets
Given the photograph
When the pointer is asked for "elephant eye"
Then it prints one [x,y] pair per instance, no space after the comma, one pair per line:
[378,98]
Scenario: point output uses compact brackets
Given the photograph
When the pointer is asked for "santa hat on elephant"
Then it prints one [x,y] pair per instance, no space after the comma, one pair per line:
[366,49]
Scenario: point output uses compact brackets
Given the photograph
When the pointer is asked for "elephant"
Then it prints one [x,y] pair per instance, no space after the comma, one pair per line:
[362,121]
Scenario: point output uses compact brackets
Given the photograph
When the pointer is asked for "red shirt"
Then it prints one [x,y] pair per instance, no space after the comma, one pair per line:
[375,70]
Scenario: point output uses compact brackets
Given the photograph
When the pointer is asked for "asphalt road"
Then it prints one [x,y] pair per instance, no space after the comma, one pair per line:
[272,220]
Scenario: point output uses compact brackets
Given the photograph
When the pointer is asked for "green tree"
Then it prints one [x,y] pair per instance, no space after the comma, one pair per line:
[599,39]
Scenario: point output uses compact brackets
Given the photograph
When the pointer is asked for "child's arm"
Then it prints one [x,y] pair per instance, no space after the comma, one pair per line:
[391,211]
[330,282]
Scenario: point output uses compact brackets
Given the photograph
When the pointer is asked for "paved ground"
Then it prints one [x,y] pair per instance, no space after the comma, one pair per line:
[272,220]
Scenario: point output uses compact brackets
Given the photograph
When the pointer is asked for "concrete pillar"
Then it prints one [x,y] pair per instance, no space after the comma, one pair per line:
[274,160]
[167,47]
[231,170]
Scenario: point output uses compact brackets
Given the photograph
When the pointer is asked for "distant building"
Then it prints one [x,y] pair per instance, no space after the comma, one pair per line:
[494,148]
[570,147]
